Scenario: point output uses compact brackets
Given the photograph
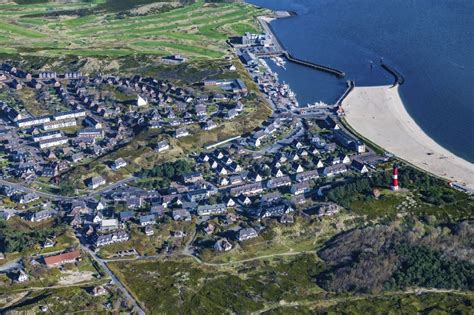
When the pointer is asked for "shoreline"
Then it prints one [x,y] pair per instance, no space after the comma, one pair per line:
[378,114]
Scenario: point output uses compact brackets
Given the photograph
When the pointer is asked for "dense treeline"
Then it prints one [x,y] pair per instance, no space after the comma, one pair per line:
[395,257]
[348,192]
[426,303]
[164,173]
[423,267]
[14,240]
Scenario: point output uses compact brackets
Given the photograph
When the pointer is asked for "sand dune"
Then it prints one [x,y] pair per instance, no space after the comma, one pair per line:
[379,115]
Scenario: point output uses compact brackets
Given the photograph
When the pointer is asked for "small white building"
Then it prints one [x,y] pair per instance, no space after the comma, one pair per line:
[118,164]
[95,182]
[109,224]
[142,101]
[162,146]
[21,276]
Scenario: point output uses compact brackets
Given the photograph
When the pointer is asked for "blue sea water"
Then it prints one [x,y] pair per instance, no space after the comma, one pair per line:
[430,42]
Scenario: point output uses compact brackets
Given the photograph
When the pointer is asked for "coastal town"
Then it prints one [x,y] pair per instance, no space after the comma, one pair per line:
[275,172]
[66,163]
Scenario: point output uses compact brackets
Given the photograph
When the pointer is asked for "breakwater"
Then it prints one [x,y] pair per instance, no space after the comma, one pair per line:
[330,70]
[350,87]
[399,79]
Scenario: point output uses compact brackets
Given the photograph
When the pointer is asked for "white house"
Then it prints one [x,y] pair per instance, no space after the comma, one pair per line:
[118,164]
[142,101]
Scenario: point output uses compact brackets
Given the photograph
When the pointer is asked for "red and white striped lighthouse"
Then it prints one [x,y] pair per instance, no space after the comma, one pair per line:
[394,185]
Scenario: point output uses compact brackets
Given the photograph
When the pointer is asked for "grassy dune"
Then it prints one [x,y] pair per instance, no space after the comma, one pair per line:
[198,30]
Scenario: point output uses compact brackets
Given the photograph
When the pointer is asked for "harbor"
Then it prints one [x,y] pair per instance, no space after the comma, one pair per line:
[257,50]
[401,136]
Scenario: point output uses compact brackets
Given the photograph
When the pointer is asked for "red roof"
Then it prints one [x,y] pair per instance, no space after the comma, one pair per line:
[62,258]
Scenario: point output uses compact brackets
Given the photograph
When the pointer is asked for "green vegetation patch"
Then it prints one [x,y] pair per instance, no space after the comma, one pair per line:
[174,287]
[195,30]
[425,303]
[399,256]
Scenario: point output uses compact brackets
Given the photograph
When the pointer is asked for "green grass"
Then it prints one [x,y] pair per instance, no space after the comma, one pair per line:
[374,208]
[15,30]
[198,31]
[80,21]
[241,28]
[181,47]
[6,50]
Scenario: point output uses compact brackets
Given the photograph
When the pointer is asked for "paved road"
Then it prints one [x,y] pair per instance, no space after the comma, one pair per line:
[116,281]
[298,132]
[23,188]
[112,187]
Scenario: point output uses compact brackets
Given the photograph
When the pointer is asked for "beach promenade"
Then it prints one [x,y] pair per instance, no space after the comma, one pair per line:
[378,114]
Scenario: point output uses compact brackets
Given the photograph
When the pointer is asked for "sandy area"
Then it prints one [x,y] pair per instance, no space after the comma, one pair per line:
[76,277]
[378,114]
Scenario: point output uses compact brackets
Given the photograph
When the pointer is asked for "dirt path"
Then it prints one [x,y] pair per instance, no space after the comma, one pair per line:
[249,259]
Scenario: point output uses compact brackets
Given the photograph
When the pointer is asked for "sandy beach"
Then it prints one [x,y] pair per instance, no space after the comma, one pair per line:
[378,114]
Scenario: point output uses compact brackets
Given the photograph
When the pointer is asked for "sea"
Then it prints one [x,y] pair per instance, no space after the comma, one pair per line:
[429,42]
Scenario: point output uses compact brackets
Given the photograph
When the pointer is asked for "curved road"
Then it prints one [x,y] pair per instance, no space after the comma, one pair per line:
[26,189]
[116,281]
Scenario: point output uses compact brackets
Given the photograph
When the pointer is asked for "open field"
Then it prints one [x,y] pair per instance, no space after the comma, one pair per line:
[184,287]
[283,285]
[198,30]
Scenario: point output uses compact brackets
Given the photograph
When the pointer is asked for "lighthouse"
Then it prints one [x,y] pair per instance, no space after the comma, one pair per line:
[394,185]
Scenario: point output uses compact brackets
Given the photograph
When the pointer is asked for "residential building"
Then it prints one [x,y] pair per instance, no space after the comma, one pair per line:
[148,219]
[41,215]
[162,146]
[222,245]
[216,209]
[181,215]
[246,234]
[300,188]
[61,259]
[181,132]
[308,175]
[93,123]
[92,133]
[47,136]
[149,230]
[333,170]
[359,167]
[126,216]
[118,164]
[192,177]
[248,189]
[95,182]
[108,239]
[59,124]
[277,182]
[109,224]
[54,142]
[198,195]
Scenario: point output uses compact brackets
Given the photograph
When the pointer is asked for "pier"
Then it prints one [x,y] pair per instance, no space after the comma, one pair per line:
[313,65]
[350,87]
[399,80]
